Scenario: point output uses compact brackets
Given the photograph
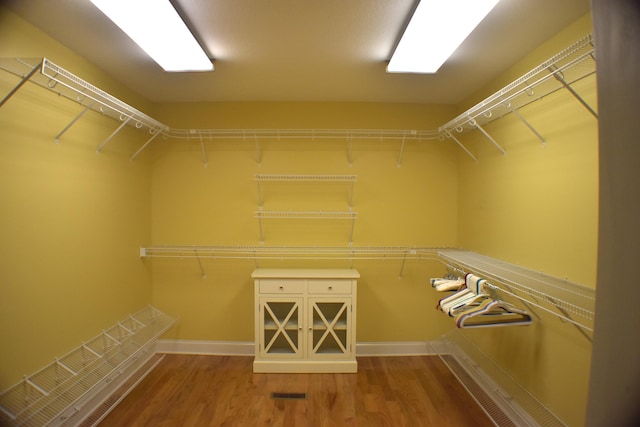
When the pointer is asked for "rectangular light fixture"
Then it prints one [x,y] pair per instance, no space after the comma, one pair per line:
[435,31]
[158,29]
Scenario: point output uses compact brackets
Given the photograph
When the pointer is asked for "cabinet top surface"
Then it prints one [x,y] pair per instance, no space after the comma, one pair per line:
[305,273]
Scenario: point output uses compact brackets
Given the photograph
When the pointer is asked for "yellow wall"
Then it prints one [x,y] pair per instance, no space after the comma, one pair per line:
[538,207]
[410,205]
[71,220]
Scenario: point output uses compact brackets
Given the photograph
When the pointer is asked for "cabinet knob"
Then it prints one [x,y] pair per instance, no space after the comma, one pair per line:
[330,287]
[281,287]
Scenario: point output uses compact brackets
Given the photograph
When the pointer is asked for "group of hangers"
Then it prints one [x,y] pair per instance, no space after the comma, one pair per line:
[473,307]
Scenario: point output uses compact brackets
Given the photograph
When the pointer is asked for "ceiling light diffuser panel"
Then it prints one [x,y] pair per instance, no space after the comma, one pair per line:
[435,31]
[156,27]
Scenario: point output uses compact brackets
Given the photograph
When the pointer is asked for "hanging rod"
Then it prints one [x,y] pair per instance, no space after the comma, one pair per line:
[559,297]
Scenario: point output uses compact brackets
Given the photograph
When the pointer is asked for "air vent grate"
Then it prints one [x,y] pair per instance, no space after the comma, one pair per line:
[289,396]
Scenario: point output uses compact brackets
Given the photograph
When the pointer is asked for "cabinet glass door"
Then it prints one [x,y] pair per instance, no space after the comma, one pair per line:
[330,322]
[281,327]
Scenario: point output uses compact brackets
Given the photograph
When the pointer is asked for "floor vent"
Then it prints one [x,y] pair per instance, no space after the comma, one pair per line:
[289,396]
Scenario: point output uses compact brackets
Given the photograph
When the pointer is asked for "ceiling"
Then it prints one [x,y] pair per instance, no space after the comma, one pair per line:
[303,50]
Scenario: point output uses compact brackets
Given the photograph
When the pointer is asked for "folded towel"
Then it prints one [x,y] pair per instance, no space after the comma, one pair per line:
[442,284]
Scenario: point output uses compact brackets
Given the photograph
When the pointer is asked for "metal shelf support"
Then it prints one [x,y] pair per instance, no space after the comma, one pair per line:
[473,122]
[21,83]
[559,76]
[449,135]
[72,122]
[528,125]
[113,134]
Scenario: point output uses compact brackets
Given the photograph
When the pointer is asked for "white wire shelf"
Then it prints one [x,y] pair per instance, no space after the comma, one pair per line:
[569,66]
[349,179]
[54,394]
[508,399]
[570,301]
[51,76]
[306,134]
[290,252]
[562,71]
[305,215]
[306,178]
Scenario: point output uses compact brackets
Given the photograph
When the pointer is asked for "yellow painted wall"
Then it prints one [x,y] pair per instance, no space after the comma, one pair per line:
[71,220]
[538,207]
[411,205]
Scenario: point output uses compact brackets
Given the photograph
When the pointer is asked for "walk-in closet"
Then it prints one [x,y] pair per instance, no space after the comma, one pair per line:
[301,236]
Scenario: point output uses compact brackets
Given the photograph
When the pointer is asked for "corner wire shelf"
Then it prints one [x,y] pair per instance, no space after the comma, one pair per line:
[58,394]
[569,301]
[563,70]
[48,75]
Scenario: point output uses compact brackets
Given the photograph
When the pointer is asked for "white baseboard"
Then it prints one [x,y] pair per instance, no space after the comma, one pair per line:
[226,348]
[247,348]
[401,348]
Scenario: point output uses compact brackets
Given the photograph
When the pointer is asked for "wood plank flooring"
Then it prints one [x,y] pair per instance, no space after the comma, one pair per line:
[193,390]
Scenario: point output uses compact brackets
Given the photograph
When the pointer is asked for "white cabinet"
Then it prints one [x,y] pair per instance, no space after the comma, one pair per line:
[305,320]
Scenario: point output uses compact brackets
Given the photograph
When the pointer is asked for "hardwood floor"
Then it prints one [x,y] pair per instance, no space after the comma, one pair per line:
[192,390]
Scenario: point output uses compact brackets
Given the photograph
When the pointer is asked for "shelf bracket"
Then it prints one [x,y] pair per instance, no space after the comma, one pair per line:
[260,199]
[154,133]
[203,274]
[204,151]
[353,225]
[260,227]
[72,122]
[527,124]
[350,149]
[560,77]
[449,135]
[22,82]
[401,274]
[399,162]
[351,190]
[258,150]
[472,122]
[114,133]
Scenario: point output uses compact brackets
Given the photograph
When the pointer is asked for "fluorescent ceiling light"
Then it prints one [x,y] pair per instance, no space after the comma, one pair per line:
[435,31]
[158,29]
